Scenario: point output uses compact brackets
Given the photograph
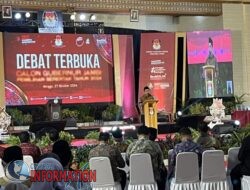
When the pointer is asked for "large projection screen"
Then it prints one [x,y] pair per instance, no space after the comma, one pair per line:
[210,64]
[75,68]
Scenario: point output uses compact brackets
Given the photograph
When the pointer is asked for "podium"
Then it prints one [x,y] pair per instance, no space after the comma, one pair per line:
[209,71]
[54,109]
[150,113]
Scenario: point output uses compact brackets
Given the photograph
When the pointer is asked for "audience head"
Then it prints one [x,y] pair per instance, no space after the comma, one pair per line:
[24,137]
[12,153]
[152,133]
[117,134]
[185,133]
[49,155]
[143,131]
[16,186]
[104,136]
[53,135]
[203,128]
[62,149]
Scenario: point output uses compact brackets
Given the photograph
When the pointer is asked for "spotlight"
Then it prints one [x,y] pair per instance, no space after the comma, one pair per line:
[27,14]
[18,16]
[72,17]
[114,128]
[82,17]
[237,122]
[92,17]
[123,132]
[179,113]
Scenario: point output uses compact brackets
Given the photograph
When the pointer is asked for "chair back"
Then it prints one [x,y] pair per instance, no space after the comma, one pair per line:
[104,174]
[29,161]
[2,172]
[232,158]
[213,168]
[245,183]
[141,170]
[187,168]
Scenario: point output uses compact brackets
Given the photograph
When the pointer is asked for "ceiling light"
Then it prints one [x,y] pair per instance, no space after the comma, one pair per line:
[18,16]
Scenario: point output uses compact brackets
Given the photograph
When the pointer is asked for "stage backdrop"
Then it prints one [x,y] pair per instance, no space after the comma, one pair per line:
[206,49]
[157,67]
[124,75]
[74,68]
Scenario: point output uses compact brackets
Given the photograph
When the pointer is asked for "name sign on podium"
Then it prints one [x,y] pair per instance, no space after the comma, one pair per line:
[150,113]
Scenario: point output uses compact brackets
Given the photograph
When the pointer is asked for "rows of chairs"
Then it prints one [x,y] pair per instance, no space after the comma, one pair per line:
[213,172]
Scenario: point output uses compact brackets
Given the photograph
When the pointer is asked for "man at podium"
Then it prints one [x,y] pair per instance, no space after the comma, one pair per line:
[146,96]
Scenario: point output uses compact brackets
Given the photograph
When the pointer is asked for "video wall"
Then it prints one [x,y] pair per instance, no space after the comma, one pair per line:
[210,69]
[75,68]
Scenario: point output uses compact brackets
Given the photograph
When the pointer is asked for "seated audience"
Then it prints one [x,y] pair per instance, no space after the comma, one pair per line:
[54,165]
[29,148]
[62,149]
[186,145]
[144,145]
[244,167]
[205,140]
[11,154]
[118,140]
[115,157]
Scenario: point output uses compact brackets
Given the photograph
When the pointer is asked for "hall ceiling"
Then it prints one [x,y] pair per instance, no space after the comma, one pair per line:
[172,7]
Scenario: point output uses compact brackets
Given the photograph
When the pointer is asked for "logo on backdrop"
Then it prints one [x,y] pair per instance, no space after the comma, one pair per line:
[156,44]
[17,171]
[50,22]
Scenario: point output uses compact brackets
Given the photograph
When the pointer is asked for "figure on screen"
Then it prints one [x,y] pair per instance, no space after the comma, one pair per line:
[211,74]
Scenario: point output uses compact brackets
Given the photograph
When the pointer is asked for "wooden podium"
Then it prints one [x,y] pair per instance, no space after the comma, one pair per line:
[150,113]
[209,71]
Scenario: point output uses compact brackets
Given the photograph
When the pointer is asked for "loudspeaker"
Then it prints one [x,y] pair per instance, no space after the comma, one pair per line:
[223,129]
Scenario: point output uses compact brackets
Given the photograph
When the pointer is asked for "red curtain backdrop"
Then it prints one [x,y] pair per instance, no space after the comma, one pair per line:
[157,60]
[126,76]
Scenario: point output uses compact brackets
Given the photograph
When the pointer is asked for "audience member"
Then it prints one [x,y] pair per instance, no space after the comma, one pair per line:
[29,148]
[118,140]
[63,150]
[186,145]
[205,140]
[144,145]
[153,136]
[115,157]
[244,167]
[54,165]
[16,186]
[11,154]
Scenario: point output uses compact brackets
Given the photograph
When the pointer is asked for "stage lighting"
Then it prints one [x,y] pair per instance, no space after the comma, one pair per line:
[27,14]
[179,113]
[92,17]
[18,16]
[237,122]
[72,17]
[82,17]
